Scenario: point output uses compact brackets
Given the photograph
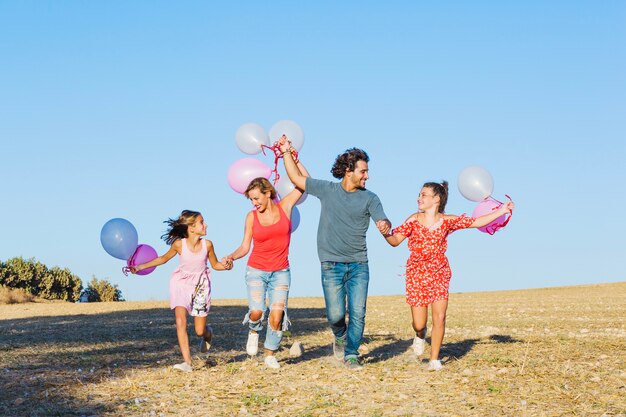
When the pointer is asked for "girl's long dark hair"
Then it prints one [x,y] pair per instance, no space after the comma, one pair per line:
[177,228]
[440,190]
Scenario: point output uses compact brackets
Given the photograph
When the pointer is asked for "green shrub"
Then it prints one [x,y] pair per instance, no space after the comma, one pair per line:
[37,279]
[102,290]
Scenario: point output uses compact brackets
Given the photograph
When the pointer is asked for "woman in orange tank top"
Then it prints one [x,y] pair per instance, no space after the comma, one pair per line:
[268,229]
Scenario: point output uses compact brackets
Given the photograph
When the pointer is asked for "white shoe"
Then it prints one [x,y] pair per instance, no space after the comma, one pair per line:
[271,362]
[434,365]
[205,343]
[419,345]
[252,346]
[185,367]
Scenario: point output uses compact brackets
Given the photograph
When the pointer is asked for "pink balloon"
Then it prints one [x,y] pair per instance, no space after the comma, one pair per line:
[485,207]
[143,254]
[245,170]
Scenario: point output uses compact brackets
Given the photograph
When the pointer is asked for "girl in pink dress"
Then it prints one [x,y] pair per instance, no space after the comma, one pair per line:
[427,270]
[190,284]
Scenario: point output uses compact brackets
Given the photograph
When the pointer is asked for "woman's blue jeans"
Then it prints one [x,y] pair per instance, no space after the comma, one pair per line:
[274,286]
[346,282]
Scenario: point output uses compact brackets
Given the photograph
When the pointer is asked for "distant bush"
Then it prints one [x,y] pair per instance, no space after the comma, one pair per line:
[37,279]
[15,296]
[101,290]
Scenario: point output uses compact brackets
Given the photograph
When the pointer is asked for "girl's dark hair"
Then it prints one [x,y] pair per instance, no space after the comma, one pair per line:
[440,190]
[177,229]
[263,185]
[347,162]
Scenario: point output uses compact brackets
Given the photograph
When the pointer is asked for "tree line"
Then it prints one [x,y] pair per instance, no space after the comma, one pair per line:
[54,283]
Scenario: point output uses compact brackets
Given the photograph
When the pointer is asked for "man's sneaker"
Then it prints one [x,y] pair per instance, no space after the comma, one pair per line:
[339,348]
[352,363]
[184,367]
[271,362]
[252,346]
[434,365]
[419,345]
[205,343]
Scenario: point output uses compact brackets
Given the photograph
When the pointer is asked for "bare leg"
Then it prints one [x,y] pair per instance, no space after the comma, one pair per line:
[181,331]
[255,315]
[420,317]
[275,322]
[439,308]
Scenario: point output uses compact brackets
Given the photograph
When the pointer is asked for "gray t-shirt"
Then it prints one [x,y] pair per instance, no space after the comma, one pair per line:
[344,220]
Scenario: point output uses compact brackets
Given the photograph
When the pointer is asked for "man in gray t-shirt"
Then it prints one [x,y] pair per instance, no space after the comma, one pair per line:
[347,208]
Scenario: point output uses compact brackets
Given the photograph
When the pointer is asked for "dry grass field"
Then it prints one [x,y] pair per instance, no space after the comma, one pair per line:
[543,352]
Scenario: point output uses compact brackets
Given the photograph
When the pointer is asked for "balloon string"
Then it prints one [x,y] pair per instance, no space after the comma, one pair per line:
[131,261]
[495,227]
[277,155]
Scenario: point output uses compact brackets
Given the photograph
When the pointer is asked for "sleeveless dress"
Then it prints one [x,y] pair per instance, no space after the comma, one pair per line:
[190,284]
[427,269]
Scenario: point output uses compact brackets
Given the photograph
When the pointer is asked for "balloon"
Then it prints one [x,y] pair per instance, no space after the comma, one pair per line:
[291,130]
[475,183]
[284,186]
[249,138]
[119,238]
[143,254]
[295,219]
[245,170]
[485,207]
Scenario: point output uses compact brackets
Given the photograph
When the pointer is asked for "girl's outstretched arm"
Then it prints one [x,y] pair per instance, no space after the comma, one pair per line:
[243,250]
[394,239]
[174,249]
[488,218]
[217,265]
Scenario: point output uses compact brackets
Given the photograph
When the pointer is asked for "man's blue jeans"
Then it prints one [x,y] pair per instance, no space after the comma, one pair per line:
[346,282]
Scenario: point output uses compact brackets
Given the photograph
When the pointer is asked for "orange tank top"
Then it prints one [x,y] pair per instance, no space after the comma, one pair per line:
[270,251]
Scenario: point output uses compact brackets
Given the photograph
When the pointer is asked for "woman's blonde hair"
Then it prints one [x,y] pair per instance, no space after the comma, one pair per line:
[263,185]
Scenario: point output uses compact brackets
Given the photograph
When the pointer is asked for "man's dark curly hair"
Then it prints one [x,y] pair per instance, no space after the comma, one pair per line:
[347,162]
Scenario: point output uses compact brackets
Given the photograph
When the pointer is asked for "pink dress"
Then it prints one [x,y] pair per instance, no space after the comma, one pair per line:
[190,284]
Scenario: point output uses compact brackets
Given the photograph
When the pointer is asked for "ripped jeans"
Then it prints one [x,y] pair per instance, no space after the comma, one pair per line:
[274,285]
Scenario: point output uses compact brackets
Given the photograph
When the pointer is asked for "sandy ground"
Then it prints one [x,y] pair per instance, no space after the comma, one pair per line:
[543,352]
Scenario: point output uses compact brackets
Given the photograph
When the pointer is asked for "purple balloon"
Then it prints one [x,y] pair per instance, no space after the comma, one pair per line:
[245,170]
[143,254]
[485,207]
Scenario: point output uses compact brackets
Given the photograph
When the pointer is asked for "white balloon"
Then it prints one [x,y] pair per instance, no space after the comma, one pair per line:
[284,186]
[249,138]
[475,183]
[290,129]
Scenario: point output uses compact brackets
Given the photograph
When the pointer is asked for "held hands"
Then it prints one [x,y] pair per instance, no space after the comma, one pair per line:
[506,208]
[227,261]
[284,145]
[384,226]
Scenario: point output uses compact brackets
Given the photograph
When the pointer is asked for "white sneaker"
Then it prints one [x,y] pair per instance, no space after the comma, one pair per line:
[252,346]
[184,367]
[271,362]
[419,345]
[205,343]
[435,365]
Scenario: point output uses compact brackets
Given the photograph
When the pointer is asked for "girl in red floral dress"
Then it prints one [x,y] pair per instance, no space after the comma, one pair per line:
[427,270]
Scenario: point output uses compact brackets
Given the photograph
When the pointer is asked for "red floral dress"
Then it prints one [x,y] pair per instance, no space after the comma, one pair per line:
[427,269]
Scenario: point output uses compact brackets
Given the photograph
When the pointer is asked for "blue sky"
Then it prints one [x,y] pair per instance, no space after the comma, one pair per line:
[129,109]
